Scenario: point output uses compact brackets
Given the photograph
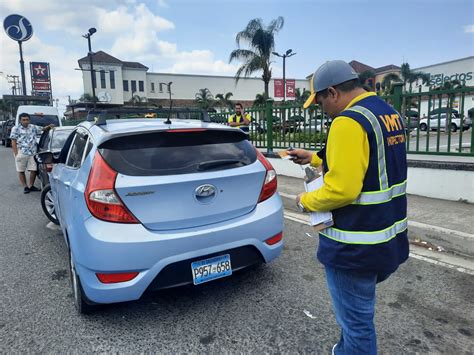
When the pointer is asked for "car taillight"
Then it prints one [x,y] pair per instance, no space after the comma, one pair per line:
[101,198]
[270,184]
[275,239]
[115,278]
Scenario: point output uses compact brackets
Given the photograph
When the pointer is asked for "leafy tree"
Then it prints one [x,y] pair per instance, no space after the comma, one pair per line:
[204,99]
[88,98]
[409,76]
[261,43]
[225,101]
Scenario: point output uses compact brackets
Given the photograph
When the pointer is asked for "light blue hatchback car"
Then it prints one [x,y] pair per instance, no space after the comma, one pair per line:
[147,205]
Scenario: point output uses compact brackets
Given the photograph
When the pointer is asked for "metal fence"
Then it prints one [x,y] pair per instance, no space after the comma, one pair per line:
[437,123]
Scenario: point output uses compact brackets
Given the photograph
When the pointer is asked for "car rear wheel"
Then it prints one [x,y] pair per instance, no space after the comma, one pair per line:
[47,204]
[82,307]
[454,128]
[423,127]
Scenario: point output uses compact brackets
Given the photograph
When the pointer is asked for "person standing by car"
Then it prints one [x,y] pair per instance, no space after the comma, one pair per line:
[23,139]
[240,119]
[364,188]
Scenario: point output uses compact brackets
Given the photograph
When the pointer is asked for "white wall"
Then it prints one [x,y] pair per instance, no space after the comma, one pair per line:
[116,94]
[186,86]
[137,75]
[462,70]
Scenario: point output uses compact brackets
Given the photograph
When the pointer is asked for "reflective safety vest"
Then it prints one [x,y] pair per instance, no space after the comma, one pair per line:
[371,233]
[239,119]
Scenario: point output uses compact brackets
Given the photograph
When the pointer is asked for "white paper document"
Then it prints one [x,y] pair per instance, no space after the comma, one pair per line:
[320,220]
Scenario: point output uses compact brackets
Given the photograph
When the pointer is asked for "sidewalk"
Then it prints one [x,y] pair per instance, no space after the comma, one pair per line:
[443,223]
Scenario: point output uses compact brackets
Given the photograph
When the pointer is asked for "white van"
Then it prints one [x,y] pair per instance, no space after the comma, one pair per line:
[39,115]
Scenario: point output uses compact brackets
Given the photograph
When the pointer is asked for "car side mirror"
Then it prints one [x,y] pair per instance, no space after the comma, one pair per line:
[45,158]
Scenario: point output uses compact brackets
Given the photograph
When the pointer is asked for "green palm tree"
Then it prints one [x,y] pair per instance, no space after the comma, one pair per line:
[87,98]
[260,100]
[301,97]
[225,101]
[387,83]
[204,98]
[409,76]
[261,42]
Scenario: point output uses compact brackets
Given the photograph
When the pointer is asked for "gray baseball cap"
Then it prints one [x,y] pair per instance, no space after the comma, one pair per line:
[329,74]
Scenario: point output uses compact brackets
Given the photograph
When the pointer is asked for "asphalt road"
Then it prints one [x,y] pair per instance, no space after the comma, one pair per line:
[423,308]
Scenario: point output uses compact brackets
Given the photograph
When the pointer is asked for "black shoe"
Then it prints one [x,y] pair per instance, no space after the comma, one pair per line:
[34,188]
[26,190]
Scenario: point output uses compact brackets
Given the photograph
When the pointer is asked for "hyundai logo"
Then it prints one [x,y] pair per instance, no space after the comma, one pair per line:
[205,191]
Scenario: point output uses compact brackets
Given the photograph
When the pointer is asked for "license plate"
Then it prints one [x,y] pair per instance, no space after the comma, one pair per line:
[211,269]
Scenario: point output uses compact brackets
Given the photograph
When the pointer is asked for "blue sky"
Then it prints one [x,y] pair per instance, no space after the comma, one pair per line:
[197,36]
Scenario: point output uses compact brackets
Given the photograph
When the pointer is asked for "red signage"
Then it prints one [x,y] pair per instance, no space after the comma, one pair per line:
[278,87]
[41,86]
[290,88]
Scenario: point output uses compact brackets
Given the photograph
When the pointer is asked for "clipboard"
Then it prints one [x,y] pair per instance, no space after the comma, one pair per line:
[319,220]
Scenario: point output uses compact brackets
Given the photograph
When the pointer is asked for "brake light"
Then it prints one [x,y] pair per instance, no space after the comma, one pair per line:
[101,198]
[185,130]
[275,239]
[270,184]
[115,278]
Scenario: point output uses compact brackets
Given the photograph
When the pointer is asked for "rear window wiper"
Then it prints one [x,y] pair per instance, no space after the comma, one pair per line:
[211,164]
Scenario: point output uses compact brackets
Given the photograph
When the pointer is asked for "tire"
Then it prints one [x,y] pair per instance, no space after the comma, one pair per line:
[8,143]
[454,128]
[423,127]
[47,204]
[82,306]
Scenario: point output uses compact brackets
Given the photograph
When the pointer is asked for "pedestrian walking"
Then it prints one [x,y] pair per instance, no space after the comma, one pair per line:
[365,174]
[24,146]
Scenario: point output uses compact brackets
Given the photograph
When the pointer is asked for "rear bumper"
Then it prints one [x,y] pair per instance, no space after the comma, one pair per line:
[163,259]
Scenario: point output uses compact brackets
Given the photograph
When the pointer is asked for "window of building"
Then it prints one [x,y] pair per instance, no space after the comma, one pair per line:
[152,87]
[161,87]
[94,80]
[112,79]
[125,85]
[141,86]
[102,79]
[134,85]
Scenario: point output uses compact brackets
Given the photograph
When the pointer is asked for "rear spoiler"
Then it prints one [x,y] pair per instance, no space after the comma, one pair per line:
[100,116]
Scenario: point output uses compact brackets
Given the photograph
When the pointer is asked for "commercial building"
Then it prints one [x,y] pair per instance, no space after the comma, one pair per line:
[118,81]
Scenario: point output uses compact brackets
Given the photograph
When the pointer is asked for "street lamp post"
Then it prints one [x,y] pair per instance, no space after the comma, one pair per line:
[88,35]
[287,54]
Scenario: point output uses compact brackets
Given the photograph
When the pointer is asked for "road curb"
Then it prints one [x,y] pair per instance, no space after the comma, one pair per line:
[452,241]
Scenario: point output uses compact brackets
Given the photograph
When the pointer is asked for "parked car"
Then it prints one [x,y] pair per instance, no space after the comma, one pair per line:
[145,205]
[50,141]
[5,131]
[440,121]
[39,116]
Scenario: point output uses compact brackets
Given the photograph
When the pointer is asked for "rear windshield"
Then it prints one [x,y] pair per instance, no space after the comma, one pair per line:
[44,120]
[59,138]
[173,153]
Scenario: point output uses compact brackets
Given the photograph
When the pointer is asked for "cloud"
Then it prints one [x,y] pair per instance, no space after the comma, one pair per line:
[127,29]
[469,29]
[162,3]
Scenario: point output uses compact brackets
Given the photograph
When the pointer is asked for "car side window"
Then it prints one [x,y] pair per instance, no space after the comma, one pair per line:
[87,149]
[74,159]
[44,141]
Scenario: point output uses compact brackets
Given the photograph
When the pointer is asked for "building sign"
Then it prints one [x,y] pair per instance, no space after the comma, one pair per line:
[290,88]
[278,87]
[440,79]
[40,79]
[18,28]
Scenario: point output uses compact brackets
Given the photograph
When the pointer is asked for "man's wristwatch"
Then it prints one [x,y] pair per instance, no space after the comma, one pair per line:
[301,208]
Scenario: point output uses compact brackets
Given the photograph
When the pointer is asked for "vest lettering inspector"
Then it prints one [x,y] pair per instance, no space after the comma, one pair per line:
[370,234]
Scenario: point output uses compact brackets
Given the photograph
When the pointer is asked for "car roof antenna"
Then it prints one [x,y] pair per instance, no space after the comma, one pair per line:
[168,121]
